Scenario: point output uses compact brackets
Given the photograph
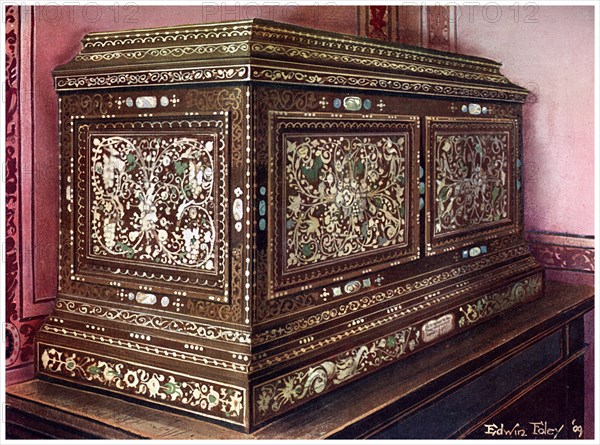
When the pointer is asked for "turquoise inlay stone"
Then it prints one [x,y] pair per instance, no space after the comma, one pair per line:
[367,104]
[518,185]
[421,203]
[262,224]
[518,163]
[421,172]
[483,248]
[263,190]
[262,208]
[464,108]
[337,102]
[421,188]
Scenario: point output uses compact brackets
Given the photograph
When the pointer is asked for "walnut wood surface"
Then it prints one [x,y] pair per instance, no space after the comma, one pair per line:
[441,367]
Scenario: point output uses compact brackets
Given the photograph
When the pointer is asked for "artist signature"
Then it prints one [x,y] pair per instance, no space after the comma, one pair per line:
[541,429]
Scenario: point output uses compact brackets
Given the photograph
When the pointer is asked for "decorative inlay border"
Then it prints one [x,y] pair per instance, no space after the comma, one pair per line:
[560,251]
[162,77]
[281,306]
[367,301]
[496,302]
[382,83]
[305,39]
[146,348]
[170,324]
[204,397]
[285,392]
[171,51]
[396,311]
[271,33]
[281,394]
[415,68]
[163,35]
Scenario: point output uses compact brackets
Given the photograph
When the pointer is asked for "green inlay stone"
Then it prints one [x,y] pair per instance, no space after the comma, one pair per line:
[391,341]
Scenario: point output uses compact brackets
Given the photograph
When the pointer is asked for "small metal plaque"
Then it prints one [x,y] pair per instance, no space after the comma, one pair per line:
[439,327]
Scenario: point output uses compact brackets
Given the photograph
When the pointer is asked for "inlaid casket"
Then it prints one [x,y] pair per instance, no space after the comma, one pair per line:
[255,214]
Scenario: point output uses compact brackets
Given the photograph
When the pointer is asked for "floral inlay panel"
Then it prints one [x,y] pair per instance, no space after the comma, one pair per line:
[472,191]
[203,397]
[347,187]
[471,177]
[151,195]
[153,198]
[345,195]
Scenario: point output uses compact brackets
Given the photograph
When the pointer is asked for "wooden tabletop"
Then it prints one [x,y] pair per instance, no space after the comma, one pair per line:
[343,410]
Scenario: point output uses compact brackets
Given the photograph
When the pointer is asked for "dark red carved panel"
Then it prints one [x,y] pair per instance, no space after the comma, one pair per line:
[378,22]
[426,26]
[19,329]
[438,24]
[563,252]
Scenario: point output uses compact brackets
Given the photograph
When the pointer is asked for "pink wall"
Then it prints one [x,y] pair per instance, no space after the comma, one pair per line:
[554,57]
[549,50]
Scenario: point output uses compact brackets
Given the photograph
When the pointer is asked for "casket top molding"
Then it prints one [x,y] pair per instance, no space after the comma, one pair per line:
[264,51]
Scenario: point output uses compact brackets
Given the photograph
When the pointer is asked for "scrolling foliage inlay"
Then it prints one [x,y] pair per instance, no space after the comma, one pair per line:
[345,195]
[344,187]
[211,399]
[471,175]
[472,190]
[153,198]
[90,275]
